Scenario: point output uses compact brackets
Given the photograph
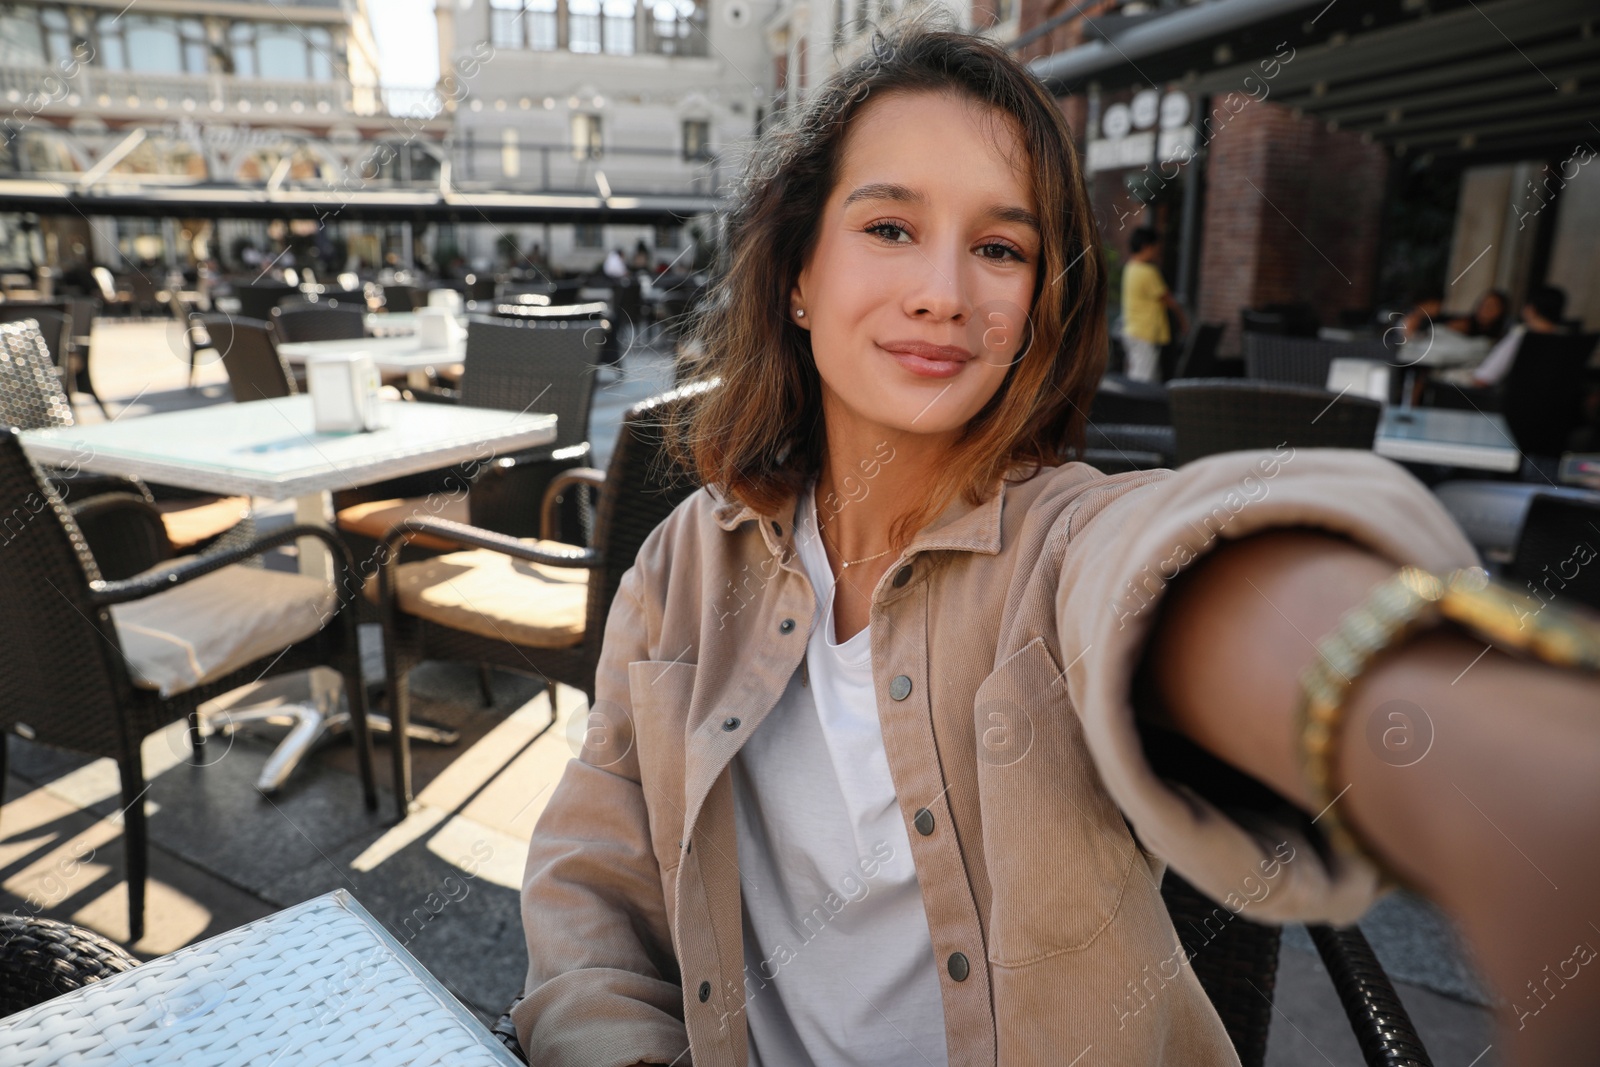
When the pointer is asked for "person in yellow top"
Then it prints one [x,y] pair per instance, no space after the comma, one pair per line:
[1145,301]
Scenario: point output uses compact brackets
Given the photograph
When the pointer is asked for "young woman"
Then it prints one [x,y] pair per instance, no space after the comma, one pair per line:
[871,775]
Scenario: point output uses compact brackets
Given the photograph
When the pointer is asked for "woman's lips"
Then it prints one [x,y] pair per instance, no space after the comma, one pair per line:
[927,366]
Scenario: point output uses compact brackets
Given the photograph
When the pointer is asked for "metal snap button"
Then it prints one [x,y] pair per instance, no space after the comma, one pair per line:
[958,967]
[900,687]
[705,992]
[923,821]
[902,576]
[730,724]
[786,626]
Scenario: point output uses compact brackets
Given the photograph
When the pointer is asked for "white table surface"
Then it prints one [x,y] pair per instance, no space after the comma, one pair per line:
[269,448]
[320,984]
[395,355]
[1458,438]
[395,323]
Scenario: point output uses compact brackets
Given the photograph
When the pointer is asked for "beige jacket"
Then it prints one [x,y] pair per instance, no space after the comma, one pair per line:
[1003,645]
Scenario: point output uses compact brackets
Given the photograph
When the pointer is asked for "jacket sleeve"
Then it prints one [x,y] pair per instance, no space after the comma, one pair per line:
[602,987]
[1126,540]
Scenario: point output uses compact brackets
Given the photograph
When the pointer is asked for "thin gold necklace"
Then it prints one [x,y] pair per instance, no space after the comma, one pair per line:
[850,563]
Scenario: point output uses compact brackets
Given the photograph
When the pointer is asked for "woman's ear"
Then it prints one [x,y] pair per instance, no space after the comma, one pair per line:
[797,308]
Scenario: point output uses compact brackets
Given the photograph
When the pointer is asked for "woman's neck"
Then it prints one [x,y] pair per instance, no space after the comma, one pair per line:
[868,480]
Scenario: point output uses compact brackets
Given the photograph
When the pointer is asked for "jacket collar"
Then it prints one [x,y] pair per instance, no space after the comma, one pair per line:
[960,526]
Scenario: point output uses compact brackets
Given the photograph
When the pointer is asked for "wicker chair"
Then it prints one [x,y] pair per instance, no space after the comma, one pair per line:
[1542,397]
[32,398]
[249,355]
[559,624]
[1548,556]
[318,322]
[40,959]
[1236,961]
[1199,358]
[509,366]
[84,662]
[1302,360]
[257,301]
[1212,415]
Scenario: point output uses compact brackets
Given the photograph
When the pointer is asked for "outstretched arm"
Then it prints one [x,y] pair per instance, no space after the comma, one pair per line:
[1499,822]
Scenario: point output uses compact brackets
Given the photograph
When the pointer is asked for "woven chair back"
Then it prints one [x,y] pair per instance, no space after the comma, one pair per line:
[1211,415]
[57,649]
[1302,360]
[31,394]
[523,366]
[249,355]
[642,487]
[318,322]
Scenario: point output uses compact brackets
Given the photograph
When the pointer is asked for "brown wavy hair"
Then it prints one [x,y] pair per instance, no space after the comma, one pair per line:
[758,436]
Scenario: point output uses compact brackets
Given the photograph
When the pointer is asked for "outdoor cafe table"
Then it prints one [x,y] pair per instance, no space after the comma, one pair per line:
[1444,436]
[391,355]
[270,448]
[395,323]
[320,984]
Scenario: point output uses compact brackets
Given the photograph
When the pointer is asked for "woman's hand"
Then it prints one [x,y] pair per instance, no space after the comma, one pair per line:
[1499,820]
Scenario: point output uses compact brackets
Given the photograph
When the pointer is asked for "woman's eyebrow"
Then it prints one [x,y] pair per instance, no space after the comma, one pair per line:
[905,194]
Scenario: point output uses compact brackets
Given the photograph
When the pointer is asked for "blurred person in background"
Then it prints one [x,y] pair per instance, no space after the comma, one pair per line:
[1145,303]
[1488,319]
[1541,313]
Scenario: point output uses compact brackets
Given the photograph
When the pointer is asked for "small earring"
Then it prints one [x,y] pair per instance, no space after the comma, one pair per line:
[799,313]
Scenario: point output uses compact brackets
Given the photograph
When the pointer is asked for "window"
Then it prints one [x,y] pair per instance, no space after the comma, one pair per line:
[583,25]
[281,52]
[510,154]
[667,236]
[523,24]
[677,28]
[696,139]
[619,23]
[155,44]
[588,235]
[585,135]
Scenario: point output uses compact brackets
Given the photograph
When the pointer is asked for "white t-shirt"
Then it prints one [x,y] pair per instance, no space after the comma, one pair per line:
[839,965]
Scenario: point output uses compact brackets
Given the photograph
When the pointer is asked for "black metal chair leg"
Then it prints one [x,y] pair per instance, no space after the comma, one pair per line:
[135,842]
[197,739]
[356,693]
[486,684]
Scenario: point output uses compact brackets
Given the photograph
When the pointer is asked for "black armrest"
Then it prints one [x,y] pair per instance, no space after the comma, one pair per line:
[577,475]
[1382,1026]
[435,396]
[586,558]
[189,568]
[82,483]
[124,533]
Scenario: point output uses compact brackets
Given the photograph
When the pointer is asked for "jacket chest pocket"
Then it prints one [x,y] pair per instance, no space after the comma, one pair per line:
[660,691]
[1058,852]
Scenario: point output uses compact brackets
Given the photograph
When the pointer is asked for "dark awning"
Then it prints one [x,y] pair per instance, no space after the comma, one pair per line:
[396,205]
[1444,78]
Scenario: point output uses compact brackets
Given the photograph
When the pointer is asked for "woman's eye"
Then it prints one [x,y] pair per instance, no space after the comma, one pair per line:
[1005,250]
[880,226]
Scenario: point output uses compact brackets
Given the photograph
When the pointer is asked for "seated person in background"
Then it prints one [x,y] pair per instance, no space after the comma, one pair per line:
[1541,313]
[1488,319]
[1425,311]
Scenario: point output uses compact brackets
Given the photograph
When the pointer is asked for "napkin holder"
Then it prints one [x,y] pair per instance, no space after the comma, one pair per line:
[448,300]
[436,328]
[344,392]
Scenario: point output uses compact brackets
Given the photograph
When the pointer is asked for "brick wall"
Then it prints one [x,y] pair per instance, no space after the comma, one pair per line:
[1292,214]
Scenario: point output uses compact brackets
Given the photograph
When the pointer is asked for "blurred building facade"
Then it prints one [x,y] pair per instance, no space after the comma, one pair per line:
[606,97]
[173,94]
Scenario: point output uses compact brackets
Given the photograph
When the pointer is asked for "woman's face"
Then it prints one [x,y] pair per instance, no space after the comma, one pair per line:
[1490,309]
[928,241]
